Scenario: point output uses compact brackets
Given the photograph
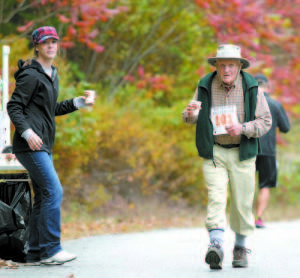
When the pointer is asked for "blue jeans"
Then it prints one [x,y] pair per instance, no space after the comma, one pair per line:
[44,223]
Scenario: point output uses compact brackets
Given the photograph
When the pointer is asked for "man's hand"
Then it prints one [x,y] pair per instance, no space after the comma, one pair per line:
[190,113]
[235,129]
[193,107]
[190,109]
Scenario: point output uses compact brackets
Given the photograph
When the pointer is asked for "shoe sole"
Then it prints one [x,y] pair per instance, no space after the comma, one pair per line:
[239,264]
[57,262]
[31,264]
[213,259]
[51,263]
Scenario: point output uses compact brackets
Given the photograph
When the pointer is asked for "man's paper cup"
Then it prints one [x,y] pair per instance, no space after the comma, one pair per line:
[198,103]
[197,108]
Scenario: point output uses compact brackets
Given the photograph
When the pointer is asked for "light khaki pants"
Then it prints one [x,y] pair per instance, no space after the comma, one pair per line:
[240,175]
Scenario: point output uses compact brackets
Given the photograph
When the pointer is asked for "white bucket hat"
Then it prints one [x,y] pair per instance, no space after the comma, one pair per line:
[229,51]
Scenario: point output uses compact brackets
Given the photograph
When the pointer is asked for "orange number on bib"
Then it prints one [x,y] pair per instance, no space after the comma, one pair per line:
[223,119]
[217,120]
[229,120]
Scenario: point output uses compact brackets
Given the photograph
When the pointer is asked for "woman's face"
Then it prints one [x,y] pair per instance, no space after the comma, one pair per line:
[228,69]
[47,50]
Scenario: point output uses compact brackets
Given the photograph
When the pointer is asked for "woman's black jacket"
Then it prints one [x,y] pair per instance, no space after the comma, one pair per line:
[34,105]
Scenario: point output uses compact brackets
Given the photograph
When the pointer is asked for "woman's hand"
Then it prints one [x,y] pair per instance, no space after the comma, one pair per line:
[87,100]
[34,141]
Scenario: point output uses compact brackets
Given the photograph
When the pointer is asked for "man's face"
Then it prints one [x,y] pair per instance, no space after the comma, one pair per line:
[228,69]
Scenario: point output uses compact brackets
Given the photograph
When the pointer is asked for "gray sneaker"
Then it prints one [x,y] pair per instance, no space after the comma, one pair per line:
[214,255]
[240,258]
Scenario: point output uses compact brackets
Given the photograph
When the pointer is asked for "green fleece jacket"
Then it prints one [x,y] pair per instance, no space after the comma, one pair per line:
[204,131]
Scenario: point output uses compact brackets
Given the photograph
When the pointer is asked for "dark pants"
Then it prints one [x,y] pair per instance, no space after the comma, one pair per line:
[266,166]
[45,223]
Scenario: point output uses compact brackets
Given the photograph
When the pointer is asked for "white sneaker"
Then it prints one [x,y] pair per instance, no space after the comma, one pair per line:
[59,258]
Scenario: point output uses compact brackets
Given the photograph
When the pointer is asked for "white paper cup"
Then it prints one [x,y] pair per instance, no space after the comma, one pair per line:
[198,104]
[90,99]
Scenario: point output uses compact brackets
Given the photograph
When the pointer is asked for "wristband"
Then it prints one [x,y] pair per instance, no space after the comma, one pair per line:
[79,102]
[27,134]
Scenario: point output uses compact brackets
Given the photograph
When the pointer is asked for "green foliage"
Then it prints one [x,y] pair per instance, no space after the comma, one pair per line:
[288,190]
[126,147]
[167,38]
[164,37]
[133,141]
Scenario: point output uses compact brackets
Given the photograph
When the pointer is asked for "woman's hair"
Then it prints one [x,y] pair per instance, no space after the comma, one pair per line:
[28,62]
[36,53]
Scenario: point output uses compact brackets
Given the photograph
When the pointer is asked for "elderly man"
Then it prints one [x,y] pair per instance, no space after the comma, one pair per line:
[231,114]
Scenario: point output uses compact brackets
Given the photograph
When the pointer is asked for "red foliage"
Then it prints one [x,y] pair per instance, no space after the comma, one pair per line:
[25,28]
[141,72]
[99,48]
[80,18]
[66,45]
[154,83]
[268,32]
[63,19]
[71,33]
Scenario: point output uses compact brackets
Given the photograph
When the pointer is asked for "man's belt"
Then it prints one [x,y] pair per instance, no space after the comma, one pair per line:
[228,146]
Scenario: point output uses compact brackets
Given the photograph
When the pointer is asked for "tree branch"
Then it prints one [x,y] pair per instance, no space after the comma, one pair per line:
[142,55]
[17,10]
[1,10]
[95,54]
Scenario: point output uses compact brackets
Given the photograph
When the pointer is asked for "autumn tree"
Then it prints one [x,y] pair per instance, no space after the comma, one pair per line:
[154,37]
[76,19]
[269,34]
[107,40]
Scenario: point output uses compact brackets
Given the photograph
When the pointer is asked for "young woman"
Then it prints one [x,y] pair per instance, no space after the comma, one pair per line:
[32,109]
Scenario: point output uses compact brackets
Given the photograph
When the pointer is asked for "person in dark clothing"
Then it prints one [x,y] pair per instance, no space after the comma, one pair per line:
[266,164]
[32,109]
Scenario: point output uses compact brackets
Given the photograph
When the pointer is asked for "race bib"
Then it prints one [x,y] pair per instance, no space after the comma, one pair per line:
[223,116]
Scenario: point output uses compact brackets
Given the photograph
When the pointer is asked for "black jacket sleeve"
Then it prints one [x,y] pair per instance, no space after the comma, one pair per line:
[283,120]
[25,87]
[65,107]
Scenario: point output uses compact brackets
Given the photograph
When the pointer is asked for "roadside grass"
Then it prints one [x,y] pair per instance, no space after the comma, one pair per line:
[143,216]
[275,213]
[152,216]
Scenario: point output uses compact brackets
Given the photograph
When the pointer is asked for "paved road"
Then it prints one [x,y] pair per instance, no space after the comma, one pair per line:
[174,253]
